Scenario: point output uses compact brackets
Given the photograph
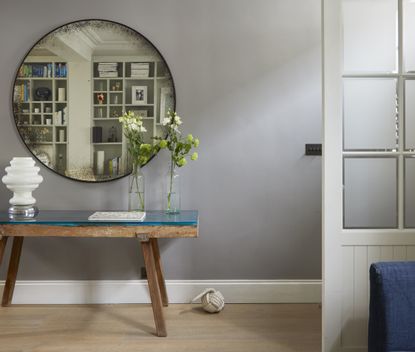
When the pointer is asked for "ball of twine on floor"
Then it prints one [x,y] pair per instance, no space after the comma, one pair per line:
[212,300]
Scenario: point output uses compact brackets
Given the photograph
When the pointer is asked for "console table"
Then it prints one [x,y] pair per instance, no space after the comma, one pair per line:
[58,223]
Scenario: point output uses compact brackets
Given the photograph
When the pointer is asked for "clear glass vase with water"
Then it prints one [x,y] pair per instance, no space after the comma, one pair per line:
[136,189]
[171,191]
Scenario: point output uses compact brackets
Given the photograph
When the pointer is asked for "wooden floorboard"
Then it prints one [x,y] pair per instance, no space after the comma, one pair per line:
[128,328]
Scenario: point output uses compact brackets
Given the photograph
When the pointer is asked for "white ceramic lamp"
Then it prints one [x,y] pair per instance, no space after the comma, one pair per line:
[22,179]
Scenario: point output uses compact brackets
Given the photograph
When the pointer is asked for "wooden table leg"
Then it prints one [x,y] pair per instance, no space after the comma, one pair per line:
[12,271]
[154,289]
[3,243]
[159,270]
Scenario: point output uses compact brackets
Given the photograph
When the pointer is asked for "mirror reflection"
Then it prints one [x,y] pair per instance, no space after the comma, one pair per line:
[74,85]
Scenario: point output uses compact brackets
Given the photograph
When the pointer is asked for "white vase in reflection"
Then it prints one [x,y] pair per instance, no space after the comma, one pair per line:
[22,179]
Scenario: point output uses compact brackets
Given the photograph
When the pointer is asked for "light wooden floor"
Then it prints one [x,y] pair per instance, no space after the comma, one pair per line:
[127,328]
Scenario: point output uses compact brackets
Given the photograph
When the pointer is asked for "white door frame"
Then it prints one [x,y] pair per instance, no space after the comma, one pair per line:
[364,245]
[332,174]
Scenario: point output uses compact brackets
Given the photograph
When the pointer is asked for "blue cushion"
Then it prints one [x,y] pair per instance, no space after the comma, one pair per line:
[392,307]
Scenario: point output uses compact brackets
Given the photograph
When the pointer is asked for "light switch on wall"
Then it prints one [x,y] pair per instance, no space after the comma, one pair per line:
[313,149]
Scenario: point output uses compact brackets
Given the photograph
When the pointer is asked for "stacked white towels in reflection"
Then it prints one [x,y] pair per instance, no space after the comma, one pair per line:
[108,69]
[140,69]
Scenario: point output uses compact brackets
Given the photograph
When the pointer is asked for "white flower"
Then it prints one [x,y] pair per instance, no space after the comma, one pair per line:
[134,126]
[177,120]
[165,121]
[175,128]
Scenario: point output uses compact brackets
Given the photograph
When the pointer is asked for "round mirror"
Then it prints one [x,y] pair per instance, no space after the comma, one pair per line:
[73,86]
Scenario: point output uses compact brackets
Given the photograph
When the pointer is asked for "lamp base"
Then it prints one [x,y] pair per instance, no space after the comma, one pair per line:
[23,211]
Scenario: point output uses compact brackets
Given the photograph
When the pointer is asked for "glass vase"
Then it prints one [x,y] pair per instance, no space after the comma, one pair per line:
[171,191]
[136,188]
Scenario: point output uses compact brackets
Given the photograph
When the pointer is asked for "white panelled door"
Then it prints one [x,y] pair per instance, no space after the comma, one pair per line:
[369,155]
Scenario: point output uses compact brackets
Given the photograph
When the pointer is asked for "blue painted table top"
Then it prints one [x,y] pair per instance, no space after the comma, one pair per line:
[79,218]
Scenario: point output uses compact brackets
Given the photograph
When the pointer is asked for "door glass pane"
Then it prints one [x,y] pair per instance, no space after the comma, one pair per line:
[410,114]
[410,192]
[370,192]
[409,35]
[370,114]
[370,35]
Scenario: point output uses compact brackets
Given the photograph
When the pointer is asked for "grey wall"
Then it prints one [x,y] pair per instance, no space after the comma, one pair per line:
[248,84]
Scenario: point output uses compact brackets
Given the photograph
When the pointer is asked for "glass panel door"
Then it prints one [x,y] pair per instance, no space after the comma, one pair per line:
[370,35]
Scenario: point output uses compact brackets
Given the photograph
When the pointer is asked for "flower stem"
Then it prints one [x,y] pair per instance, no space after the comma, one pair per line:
[140,196]
[171,184]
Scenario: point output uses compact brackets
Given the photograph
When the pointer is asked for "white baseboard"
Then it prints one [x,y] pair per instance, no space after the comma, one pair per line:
[179,291]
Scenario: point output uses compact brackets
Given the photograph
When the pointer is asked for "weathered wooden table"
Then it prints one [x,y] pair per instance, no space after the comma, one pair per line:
[76,224]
